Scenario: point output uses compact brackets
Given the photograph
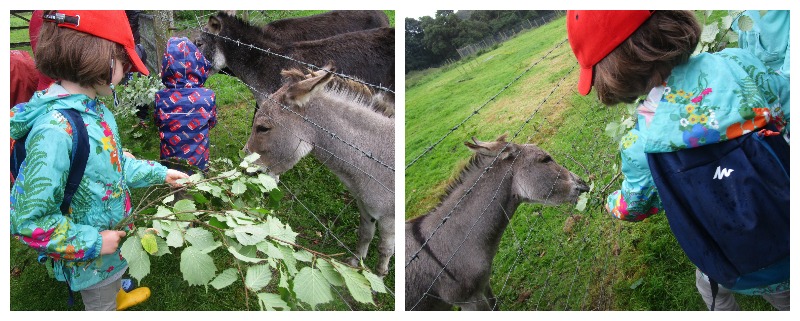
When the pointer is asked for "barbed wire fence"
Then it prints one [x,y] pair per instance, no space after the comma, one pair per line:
[330,219]
[594,241]
[505,35]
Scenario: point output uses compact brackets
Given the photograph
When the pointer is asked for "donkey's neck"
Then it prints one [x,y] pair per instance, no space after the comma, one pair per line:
[356,124]
[485,211]
[256,68]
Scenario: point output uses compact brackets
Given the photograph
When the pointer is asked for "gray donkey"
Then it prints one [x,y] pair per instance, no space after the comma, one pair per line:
[282,137]
[454,268]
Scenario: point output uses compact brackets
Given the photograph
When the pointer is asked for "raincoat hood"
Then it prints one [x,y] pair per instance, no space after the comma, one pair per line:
[183,65]
[55,97]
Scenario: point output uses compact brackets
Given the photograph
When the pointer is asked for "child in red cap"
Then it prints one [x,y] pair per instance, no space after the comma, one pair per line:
[89,52]
[710,146]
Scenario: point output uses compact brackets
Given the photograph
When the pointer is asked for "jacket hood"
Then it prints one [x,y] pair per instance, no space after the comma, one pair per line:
[183,65]
[24,115]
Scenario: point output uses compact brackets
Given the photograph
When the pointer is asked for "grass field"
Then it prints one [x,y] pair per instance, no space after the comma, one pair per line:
[550,258]
[315,204]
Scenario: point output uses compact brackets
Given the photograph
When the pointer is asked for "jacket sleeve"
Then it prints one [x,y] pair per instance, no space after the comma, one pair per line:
[143,173]
[637,199]
[36,197]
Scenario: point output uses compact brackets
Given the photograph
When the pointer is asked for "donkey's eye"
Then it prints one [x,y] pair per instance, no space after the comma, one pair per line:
[546,159]
[262,129]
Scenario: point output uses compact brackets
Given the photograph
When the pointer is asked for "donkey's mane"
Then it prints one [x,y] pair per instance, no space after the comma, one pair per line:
[475,162]
[347,89]
[240,24]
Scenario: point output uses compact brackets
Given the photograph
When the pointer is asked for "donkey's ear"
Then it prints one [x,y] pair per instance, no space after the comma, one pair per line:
[214,25]
[502,138]
[491,149]
[300,93]
[292,75]
[231,13]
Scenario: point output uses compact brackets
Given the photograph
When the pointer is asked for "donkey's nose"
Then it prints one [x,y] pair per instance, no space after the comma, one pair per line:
[580,185]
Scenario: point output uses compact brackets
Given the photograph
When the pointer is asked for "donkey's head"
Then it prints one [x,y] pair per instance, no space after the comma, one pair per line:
[535,176]
[210,40]
[279,134]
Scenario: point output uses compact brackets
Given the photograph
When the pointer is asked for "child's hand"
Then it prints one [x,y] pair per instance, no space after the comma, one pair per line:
[129,155]
[110,241]
[173,176]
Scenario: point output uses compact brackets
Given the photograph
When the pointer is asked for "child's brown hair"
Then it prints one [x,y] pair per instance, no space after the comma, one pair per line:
[646,58]
[67,54]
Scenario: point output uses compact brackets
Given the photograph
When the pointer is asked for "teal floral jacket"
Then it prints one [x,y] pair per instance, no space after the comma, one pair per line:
[709,99]
[102,199]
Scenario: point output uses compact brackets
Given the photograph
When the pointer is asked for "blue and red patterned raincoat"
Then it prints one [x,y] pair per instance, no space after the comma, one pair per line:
[185,111]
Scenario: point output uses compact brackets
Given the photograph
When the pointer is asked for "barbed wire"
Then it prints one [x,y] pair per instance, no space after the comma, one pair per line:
[486,169]
[315,67]
[475,112]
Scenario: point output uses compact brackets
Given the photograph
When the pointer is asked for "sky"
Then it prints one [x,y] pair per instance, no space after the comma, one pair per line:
[416,12]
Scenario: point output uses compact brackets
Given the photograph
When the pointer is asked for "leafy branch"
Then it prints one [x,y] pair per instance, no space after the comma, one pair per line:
[228,210]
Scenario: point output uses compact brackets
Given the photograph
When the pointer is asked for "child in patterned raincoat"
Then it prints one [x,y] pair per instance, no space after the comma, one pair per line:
[185,111]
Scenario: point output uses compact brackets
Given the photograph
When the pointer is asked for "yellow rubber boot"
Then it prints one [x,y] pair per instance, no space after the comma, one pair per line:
[126,300]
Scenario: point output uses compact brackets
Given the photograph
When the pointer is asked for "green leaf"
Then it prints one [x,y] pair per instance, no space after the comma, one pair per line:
[581,204]
[283,282]
[197,267]
[149,243]
[257,277]
[330,274]
[745,23]
[242,257]
[637,283]
[303,255]
[184,206]
[270,249]
[709,33]
[252,158]
[225,278]
[196,177]
[215,222]
[358,285]
[200,238]
[162,211]
[272,301]
[375,281]
[199,198]
[288,259]
[280,231]
[169,199]
[267,181]
[163,248]
[138,260]
[311,287]
[175,239]
[250,234]
[238,187]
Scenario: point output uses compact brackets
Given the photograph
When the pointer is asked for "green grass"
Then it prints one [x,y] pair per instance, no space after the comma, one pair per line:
[312,189]
[550,258]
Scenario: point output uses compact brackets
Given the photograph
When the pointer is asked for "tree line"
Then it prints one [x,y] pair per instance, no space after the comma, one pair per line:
[432,40]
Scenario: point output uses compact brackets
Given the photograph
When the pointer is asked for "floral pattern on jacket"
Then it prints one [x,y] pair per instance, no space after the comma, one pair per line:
[101,200]
[712,98]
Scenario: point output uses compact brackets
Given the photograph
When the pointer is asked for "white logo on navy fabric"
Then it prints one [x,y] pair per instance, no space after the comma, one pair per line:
[722,172]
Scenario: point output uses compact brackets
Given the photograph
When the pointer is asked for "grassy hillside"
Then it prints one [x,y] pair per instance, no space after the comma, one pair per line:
[551,258]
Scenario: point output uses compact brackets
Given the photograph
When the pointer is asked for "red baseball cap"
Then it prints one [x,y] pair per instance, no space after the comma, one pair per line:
[593,34]
[111,25]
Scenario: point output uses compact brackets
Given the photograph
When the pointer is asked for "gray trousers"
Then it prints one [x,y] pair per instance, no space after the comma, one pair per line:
[725,300]
[102,298]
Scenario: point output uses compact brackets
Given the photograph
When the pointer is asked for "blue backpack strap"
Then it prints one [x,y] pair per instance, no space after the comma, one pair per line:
[80,156]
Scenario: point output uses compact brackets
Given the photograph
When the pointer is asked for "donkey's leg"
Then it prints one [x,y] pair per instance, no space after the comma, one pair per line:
[366,231]
[386,247]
